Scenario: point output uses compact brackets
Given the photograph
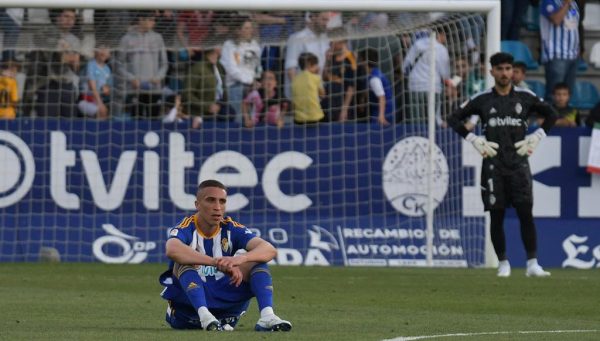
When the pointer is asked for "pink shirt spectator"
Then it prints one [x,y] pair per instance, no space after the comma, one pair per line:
[267,110]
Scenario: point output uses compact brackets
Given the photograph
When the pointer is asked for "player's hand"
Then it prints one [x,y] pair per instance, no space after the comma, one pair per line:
[227,263]
[484,147]
[527,146]
[236,276]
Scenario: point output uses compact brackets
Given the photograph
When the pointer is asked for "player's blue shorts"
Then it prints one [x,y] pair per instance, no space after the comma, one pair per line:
[225,301]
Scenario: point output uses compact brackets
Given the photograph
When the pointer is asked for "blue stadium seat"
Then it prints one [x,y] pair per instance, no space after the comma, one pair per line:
[582,66]
[537,86]
[520,51]
[531,18]
[585,95]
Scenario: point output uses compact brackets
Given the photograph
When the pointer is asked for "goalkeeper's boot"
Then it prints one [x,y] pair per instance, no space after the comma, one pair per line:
[536,271]
[503,269]
[272,323]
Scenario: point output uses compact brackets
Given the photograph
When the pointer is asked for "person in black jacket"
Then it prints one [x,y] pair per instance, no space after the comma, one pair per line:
[506,178]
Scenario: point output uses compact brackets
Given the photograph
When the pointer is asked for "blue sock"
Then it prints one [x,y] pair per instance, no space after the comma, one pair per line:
[191,283]
[261,284]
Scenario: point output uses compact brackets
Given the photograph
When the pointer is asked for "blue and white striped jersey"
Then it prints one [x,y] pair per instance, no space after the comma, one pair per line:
[229,237]
[559,41]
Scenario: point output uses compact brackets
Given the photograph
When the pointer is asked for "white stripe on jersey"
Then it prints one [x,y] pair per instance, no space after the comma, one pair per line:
[560,41]
[217,253]
[486,91]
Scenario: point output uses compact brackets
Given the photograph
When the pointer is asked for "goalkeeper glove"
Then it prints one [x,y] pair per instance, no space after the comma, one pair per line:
[484,147]
[527,146]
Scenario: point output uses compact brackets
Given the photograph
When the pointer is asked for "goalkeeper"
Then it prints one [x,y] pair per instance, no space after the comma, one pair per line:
[209,286]
[506,179]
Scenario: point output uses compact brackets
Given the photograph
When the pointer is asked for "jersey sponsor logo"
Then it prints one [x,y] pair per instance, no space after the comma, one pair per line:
[505,122]
[133,251]
[405,177]
[207,270]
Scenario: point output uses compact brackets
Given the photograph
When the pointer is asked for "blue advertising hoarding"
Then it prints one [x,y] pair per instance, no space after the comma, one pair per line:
[327,195]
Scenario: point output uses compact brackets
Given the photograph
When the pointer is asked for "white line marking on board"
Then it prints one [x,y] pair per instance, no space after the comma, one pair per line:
[423,337]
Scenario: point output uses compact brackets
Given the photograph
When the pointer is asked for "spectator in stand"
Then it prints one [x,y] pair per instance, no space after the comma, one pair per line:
[340,77]
[241,59]
[52,42]
[381,97]
[264,105]
[559,23]
[416,68]
[511,12]
[166,26]
[11,20]
[313,39]
[519,74]
[9,96]
[307,87]
[205,94]
[58,96]
[111,24]
[193,28]
[567,115]
[96,85]
[142,64]
[272,26]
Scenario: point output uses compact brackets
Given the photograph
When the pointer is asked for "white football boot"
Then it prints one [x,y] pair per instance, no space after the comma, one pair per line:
[503,269]
[272,323]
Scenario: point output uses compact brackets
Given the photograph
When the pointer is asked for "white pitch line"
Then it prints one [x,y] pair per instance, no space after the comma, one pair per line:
[422,337]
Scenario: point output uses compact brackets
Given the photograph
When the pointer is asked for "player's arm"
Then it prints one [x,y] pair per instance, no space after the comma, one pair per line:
[258,250]
[182,254]
[456,121]
[526,146]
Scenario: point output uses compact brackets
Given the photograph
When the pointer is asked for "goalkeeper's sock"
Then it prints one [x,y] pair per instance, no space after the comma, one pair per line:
[261,284]
[191,283]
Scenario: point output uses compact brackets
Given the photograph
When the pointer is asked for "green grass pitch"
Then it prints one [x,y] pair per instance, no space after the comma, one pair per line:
[121,302]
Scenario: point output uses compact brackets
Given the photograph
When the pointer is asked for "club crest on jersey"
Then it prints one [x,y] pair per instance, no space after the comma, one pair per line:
[224,244]
[518,108]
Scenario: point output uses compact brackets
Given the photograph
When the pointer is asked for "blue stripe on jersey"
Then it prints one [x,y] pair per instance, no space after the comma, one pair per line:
[562,41]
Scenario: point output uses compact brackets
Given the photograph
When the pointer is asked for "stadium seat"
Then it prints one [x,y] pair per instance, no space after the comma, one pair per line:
[520,51]
[531,18]
[581,65]
[585,95]
[537,86]
[592,13]
[595,55]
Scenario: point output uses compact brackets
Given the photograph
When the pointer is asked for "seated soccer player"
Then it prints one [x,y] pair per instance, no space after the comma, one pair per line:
[208,285]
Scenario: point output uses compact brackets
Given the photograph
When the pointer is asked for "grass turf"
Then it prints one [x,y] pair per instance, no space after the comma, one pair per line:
[121,302]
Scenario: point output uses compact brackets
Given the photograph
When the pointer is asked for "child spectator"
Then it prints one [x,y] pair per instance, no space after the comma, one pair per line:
[567,115]
[381,103]
[8,89]
[340,78]
[307,86]
[519,73]
[265,102]
[96,85]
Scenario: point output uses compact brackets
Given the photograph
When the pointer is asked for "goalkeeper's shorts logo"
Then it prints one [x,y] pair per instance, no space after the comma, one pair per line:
[130,249]
[405,176]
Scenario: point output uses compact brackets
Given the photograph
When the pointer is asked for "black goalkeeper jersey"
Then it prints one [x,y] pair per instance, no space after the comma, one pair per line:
[504,120]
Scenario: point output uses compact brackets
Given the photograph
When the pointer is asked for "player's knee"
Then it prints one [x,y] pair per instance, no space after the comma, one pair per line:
[260,267]
[179,269]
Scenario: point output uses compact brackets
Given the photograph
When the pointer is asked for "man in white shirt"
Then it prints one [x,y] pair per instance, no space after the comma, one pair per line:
[416,68]
[313,39]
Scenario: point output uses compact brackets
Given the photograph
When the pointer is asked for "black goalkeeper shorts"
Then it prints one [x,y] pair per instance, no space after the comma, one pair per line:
[501,188]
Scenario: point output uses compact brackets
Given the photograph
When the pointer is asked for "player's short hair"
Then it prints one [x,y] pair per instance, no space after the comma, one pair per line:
[370,56]
[210,183]
[520,65]
[561,86]
[307,59]
[501,58]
